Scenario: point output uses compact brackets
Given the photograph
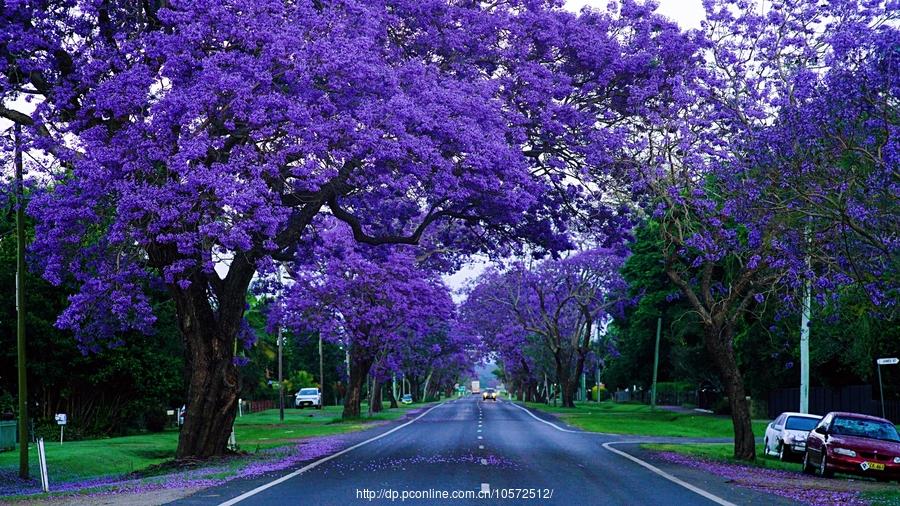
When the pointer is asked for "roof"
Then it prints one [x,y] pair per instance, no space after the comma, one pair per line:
[804,415]
[847,414]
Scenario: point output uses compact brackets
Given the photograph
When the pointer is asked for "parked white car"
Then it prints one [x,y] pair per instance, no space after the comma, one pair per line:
[786,435]
[308,397]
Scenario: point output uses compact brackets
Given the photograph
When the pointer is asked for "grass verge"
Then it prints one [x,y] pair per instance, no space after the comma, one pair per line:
[95,458]
[640,420]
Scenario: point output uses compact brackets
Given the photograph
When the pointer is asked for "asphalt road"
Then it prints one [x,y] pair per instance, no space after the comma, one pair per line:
[468,446]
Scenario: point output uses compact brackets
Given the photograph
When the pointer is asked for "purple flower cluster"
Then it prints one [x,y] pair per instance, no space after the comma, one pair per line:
[521,312]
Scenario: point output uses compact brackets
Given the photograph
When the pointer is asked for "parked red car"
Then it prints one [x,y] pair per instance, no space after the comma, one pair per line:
[855,444]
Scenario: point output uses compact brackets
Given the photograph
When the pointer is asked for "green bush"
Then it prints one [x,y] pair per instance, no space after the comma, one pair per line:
[722,407]
[155,419]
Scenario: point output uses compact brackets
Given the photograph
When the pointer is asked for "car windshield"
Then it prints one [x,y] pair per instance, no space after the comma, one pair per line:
[407,396]
[309,391]
[801,423]
[862,427]
[490,391]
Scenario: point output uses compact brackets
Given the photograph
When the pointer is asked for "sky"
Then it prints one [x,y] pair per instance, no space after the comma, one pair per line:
[687,13]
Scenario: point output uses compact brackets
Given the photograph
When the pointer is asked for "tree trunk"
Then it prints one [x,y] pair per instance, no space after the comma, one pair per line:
[570,387]
[212,377]
[563,378]
[414,389]
[392,398]
[425,396]
[375,398]
[359,371]
[720,345]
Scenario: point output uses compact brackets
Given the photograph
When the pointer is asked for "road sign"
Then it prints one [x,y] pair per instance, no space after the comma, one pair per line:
[60,418]
[881,362]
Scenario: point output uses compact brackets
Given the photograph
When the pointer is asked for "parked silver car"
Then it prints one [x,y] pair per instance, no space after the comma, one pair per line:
[786,435]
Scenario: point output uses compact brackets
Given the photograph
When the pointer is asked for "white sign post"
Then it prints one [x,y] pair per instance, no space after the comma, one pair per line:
[881,362]
[61,421]
[42,460]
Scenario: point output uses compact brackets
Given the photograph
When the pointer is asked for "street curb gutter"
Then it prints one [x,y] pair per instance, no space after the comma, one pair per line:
[697,490]
[317,463]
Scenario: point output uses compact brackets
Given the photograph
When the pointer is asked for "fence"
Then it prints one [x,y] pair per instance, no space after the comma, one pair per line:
[858,399]
[256,406]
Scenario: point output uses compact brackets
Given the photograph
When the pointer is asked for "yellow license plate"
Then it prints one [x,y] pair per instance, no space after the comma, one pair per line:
[876,466]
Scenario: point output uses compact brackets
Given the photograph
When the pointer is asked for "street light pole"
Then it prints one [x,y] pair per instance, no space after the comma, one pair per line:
[20,307]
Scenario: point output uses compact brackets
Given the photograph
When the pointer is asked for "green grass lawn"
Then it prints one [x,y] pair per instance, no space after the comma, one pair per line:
[723,452]
[638,419]
[122,455]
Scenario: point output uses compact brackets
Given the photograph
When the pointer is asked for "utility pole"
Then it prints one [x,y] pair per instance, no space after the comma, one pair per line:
[280,352]
[321,370]
[804,346]
[655,363]
[20,306]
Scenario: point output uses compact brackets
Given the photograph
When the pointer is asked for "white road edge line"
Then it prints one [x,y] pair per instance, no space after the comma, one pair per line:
[697,490]
[714,498]
[532,415]
[307,467]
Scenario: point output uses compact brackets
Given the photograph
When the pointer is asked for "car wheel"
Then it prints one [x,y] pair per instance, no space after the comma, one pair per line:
[824,472]
[319,406]
[782,452]
[807,465]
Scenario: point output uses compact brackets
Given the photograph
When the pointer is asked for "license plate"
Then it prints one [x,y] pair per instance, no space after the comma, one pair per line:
[874,466]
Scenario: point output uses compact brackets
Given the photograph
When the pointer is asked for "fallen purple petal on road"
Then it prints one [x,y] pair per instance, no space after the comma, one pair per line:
[782,483]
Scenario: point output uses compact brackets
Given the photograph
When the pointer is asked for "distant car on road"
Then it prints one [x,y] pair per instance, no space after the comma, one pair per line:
[855,444]
[308,397]
[406,399]
[489,395]
[786,435]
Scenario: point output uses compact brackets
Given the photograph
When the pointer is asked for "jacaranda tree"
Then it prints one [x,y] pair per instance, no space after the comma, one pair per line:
[561,302]
[191,136]
[371,299]
[754,199]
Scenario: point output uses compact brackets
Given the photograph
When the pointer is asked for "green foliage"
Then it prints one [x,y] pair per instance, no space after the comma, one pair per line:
[682,355]
[300,360]
[845,337]
[111,392]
